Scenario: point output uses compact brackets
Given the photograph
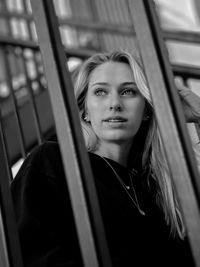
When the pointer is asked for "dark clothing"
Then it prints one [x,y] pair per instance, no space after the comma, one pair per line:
[45,221]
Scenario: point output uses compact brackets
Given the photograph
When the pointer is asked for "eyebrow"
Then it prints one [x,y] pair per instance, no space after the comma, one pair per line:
[122,84]
[100,83]
[129,83]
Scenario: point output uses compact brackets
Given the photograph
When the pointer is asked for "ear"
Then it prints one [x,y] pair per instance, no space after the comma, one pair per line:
[86,117]
[147,112]
[146,117]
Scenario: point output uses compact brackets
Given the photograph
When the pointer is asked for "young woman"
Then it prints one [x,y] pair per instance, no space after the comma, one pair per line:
[141,215]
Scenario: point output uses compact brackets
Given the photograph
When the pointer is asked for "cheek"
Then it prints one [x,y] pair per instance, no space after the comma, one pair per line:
[94,110]
[137,119]
[138,109]
[141,112]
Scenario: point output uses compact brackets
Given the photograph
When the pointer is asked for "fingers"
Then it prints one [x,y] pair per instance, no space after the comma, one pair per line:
[179,84]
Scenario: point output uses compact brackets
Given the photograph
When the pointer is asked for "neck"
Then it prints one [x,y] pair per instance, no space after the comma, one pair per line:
[114,151]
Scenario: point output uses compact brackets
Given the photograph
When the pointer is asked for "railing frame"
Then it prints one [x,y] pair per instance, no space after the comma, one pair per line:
[76,163]
[170,118]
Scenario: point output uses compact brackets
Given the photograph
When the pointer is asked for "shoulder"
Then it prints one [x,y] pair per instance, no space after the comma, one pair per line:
[46,150]
[45,163]
[44,159]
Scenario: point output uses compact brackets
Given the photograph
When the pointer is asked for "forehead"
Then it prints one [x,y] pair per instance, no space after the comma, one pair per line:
[110,72]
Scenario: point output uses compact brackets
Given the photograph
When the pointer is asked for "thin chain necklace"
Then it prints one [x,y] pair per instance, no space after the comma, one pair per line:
[127,188]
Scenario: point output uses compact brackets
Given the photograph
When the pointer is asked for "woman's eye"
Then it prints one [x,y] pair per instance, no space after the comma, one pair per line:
[129,92]
[100,92]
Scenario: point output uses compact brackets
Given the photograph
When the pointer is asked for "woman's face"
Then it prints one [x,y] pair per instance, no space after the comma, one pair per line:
[114,105]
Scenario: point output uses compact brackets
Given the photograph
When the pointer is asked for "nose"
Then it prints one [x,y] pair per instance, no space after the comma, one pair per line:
[115,103]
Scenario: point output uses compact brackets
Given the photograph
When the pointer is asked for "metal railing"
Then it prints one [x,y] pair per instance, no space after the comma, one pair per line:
[21,110]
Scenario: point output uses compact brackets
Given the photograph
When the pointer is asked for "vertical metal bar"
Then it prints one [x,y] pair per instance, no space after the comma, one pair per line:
[170,117]
[22,142]
[31,36]
[4,6]
[94,14]
[6,149]
[107,39]
[108,18]
[76,164]
[197,125]
[113,17]
[29,87]
[4,261]
[14,102]
[123,21]
[36,117]
[32,101]
[10,252]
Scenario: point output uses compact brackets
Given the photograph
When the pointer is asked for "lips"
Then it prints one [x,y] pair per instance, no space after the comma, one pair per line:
[115,119]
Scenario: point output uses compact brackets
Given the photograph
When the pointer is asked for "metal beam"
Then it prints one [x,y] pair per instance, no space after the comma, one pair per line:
[170,117]
[10,252]
[76,164]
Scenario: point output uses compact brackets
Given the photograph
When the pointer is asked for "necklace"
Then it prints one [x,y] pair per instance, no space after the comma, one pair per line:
[127,188]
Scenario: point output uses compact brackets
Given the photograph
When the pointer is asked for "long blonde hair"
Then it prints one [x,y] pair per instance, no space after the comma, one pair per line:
[150,151]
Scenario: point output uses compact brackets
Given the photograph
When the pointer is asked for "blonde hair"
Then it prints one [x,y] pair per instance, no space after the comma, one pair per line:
[150,152]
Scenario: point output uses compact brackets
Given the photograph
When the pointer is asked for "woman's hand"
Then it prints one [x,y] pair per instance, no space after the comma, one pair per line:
[190,102]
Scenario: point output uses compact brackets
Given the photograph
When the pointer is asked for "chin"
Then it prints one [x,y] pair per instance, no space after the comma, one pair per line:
[118,138]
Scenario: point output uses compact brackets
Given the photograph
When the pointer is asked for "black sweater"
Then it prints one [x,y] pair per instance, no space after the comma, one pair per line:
[46,226]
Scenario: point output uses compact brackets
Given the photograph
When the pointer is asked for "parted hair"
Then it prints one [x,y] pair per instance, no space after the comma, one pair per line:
[148,152]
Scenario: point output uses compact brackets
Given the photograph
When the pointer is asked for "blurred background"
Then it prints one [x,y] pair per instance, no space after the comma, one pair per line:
[86,27]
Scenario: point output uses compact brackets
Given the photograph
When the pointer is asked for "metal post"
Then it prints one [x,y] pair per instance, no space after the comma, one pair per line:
[170,117]
[76,164]
[14,101]
[10,252]
[32,100]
